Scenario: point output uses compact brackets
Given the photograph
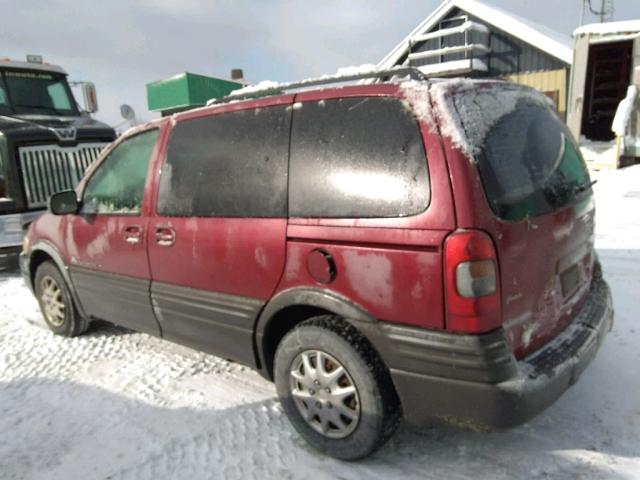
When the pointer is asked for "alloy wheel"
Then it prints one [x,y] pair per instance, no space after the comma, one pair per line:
[52,301]
[324,394]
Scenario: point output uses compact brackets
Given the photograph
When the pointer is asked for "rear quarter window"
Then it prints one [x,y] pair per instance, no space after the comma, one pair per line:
[357,157]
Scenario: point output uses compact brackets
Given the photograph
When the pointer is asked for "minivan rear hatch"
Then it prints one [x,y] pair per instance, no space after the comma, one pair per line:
[537,199]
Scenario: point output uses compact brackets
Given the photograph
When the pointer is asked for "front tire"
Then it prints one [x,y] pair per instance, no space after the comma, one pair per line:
[56,303]
[334,388]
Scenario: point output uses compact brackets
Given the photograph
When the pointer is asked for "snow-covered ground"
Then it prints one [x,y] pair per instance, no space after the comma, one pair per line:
[116,404]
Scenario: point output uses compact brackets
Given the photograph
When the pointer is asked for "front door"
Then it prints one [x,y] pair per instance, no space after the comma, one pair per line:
[106,241]
[217,242]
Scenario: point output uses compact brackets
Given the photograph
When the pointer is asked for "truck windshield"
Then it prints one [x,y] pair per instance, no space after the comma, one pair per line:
[33,92]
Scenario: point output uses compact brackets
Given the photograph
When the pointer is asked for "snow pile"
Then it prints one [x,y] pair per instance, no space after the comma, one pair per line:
[417,95]
[363,69]
[598,154]
[344,72]
[123,405]
[263,85]
[479,104]
[623,114]
[627,26]
[617,207]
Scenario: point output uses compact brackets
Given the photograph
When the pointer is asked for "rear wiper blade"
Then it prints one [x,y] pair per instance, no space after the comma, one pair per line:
[583,187]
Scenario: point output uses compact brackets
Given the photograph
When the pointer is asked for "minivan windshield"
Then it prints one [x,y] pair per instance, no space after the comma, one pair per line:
[35,92]
[528,161]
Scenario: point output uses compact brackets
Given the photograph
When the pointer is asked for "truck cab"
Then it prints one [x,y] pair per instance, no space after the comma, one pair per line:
[46,143]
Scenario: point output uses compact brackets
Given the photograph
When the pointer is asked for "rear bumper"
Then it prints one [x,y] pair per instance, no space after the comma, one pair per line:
[475,381]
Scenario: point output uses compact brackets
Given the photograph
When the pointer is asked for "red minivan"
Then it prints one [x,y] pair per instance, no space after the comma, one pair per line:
[404,249]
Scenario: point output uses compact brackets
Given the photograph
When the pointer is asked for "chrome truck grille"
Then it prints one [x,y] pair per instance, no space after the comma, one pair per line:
[47,169]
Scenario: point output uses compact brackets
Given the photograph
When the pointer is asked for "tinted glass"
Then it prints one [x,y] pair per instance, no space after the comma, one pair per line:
[227,165]
[39,92]
[117,186]
[4,174]
[357,157]
[529,163]
[5,108]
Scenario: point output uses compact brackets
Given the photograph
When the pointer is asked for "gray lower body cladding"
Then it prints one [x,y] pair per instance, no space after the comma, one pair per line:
[479,384]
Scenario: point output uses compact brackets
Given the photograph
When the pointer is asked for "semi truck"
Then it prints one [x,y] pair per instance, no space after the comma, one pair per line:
[47,141]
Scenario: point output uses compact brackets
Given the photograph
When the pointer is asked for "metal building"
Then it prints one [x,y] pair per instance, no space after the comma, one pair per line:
[470,38]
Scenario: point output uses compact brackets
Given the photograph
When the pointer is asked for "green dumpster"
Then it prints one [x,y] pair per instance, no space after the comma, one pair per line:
[186,90]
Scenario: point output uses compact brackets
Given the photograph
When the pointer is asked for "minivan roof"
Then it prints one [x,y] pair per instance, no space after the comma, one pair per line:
[364,74]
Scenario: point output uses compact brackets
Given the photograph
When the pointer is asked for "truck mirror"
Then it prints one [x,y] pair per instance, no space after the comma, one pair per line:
[90,97]
[63,203]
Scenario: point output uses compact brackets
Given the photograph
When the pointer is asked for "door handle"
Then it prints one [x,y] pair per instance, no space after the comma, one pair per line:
[165,236]
[133,234]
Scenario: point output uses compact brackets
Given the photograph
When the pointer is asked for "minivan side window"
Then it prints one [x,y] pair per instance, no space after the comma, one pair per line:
[227,165]
[117,185]
[357,157]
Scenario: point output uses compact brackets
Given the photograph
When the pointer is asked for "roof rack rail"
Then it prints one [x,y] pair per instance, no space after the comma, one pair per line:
[412,72]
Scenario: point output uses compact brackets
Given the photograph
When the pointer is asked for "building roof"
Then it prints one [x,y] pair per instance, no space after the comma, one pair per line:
[555,44]
[627,26]
[43,67]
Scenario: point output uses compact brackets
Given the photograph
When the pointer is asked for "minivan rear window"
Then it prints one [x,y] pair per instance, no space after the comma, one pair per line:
[528,161]
[356,157]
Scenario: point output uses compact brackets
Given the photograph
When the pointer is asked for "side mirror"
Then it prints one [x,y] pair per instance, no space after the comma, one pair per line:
[63,203]
[90,97]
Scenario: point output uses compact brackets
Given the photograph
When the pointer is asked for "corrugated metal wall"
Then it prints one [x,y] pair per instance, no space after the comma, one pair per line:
[547,81]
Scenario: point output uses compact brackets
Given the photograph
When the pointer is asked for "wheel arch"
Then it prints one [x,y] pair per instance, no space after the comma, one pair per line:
[43,251]
[291,307]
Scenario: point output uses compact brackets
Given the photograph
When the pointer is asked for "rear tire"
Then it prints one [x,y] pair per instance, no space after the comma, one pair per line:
[334,388]
[56,303]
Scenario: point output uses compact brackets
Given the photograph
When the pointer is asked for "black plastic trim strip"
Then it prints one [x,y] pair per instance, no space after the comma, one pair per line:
[483,358]
[213,322]
[116,298]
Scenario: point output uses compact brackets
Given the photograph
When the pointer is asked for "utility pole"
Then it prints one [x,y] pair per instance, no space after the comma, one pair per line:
[604,14]
[606,11]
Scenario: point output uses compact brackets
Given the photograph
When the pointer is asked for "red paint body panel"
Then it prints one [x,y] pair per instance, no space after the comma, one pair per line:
[228,255]
[237,256]
[99,241]
[395,285]
[392,267]
[531,255]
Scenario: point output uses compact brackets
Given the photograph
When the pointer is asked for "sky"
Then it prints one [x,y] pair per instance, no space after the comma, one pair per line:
[121,45]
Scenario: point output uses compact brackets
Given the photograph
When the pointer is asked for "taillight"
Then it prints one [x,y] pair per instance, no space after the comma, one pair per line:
[472,287]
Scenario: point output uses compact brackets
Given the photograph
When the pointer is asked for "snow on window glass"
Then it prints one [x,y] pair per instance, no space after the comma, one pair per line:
[357,157]
[232,164]
[527,159]
[117,186]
